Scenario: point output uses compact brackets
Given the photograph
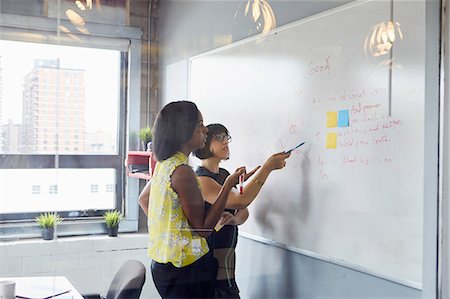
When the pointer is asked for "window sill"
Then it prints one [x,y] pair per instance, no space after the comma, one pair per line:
[19,231]
[79,244]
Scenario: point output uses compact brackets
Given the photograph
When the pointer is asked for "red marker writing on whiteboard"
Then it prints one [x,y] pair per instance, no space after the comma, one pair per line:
[241,184]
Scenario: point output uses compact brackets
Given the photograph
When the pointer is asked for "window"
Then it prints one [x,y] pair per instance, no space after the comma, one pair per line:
[109,188]
[91,86]
[53,189]
[35,189]
[94,188]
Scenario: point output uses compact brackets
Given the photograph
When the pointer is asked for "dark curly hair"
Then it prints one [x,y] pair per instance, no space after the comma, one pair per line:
[174,125]
[213,130]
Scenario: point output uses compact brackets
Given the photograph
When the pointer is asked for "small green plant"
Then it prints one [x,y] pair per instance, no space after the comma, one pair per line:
[48,220]
[146,134]
[112,218]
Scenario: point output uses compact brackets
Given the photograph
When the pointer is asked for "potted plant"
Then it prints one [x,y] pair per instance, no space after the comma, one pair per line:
[112,220]
[146,134]
[48,221]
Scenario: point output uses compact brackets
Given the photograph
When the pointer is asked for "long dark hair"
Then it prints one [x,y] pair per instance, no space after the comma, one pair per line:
[174,126]
[213,130]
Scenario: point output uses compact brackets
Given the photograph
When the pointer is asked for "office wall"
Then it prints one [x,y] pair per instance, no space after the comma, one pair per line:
[188,28]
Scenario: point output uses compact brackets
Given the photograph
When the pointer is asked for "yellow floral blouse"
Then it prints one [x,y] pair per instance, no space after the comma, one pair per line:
[171,238]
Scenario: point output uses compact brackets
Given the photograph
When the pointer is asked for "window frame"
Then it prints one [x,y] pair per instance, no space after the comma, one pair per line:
[16,27]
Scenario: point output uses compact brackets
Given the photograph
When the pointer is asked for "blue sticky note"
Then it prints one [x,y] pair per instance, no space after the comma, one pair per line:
[343,118]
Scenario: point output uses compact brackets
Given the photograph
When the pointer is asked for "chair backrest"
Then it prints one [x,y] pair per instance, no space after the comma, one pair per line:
[128,281]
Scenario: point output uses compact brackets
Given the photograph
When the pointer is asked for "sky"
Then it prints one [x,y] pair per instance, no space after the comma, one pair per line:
[102,79]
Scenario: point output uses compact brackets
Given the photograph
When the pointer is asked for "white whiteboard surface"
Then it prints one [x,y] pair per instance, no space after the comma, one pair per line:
[360,204]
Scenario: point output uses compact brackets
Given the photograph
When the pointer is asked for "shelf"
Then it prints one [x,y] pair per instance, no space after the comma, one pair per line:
[139,175]
[140,164]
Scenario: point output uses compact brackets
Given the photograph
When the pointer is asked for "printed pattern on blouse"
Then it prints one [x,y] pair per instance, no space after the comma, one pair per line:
[171,238]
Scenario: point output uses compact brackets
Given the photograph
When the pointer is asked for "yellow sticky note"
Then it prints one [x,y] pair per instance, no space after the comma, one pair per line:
[331,140]
[332,119]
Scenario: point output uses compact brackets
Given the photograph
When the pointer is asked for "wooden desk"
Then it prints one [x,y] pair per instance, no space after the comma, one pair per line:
[41,287]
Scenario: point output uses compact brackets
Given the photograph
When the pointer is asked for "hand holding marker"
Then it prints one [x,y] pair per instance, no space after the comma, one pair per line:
[295,147]
[219,225]
[242,177]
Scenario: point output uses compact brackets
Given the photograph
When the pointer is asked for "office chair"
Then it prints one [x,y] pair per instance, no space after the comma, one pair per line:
[126,284]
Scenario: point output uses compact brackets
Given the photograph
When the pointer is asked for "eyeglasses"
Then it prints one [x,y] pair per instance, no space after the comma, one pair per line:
[222,137]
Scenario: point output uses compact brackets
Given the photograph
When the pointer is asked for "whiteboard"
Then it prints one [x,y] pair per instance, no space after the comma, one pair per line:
[360,203]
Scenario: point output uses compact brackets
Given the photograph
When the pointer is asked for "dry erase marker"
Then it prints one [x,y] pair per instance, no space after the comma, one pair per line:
[241,184]
[296,147]
[218,225]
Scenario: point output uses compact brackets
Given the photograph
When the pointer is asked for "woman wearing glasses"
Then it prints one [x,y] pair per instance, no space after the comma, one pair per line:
[212,178]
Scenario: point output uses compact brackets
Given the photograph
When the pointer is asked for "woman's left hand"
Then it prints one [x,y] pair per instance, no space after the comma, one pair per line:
[228,219]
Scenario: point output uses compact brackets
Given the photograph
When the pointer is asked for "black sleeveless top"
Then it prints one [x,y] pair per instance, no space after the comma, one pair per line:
[227,236]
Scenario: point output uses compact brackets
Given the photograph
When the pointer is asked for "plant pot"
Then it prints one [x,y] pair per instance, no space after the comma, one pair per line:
[149,146]
[112,231]
[48,233]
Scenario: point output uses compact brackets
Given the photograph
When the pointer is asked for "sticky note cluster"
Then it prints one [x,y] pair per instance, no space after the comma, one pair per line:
[336,119]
